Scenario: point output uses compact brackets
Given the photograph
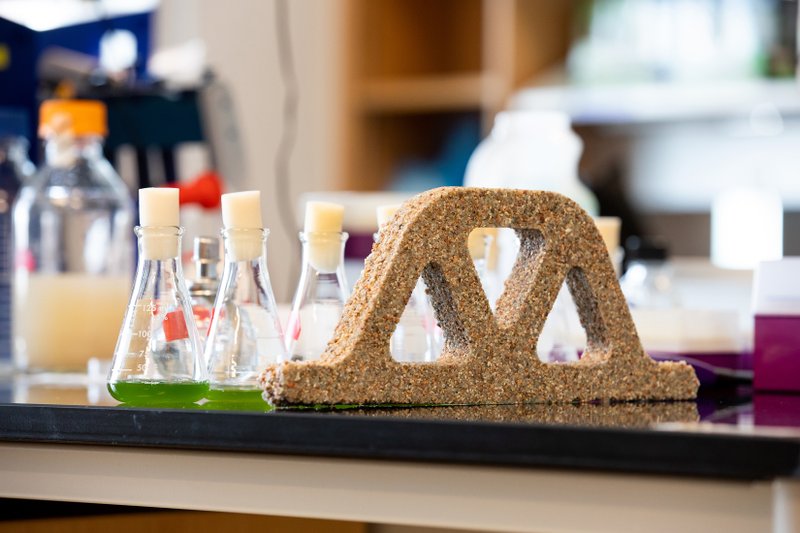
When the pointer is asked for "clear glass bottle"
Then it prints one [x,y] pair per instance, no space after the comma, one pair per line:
[15,169]
[246,333]
[72,245]
[205,285]
[158,357]
[320,297]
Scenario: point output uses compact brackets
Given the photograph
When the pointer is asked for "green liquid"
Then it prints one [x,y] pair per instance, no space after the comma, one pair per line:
[158,392]
[231,394]
[236,399]
[245,407]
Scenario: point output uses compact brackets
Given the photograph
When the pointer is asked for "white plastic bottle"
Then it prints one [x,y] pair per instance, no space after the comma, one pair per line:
[534,150]
[531,150]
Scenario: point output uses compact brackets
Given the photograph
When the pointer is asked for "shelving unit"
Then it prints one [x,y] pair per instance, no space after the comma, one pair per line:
[424,93]
[658,103]
[418,69]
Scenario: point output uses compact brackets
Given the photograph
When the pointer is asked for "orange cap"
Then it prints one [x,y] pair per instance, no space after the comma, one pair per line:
[79,117]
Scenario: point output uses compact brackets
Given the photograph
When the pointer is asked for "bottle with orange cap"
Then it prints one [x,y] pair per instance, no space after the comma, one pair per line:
[72,243]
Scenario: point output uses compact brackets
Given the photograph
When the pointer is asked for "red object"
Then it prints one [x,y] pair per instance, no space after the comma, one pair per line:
[201,313]
[205,190]
[294,325]
[175,326]
[25,260]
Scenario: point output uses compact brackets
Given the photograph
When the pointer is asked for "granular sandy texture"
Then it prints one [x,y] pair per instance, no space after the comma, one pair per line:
[618,414]
[487,359]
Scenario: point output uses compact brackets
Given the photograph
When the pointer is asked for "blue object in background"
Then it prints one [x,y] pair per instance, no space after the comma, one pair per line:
[14,123]
[448,168]
[21,47]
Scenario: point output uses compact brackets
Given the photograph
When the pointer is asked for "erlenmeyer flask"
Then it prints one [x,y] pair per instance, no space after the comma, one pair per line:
[320,297]
[245,334]
[157,358]
[322,289]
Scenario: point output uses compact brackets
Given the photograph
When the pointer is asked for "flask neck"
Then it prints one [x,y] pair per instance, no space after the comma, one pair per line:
[322,274]
[245,268]
[245,277]
[323,252]
[65,150]
[245,245]
[159,243]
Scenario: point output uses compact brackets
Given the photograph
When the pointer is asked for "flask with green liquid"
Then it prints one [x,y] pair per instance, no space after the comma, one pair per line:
[158,358]
[245,334]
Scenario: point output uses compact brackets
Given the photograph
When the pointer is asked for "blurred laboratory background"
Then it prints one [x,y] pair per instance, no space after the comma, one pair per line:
[687,112]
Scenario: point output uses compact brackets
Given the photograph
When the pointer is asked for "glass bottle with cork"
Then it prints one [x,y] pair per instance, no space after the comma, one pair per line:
[245,334]
[158,359]
[322,290]
[72,245]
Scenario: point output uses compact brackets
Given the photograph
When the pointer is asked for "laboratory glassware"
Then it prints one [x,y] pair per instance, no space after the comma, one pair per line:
[246,333]
[158,357]
[320,296]
[203,288]
[72,245]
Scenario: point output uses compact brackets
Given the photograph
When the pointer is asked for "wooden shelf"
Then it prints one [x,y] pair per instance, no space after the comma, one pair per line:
[416,67]
[655,103]
[449,92]
[407,38]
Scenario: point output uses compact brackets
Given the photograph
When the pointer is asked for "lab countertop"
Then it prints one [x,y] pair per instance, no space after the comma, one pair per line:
[726,433]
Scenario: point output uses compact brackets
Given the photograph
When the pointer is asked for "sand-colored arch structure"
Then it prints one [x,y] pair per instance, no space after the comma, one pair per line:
[488,358]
